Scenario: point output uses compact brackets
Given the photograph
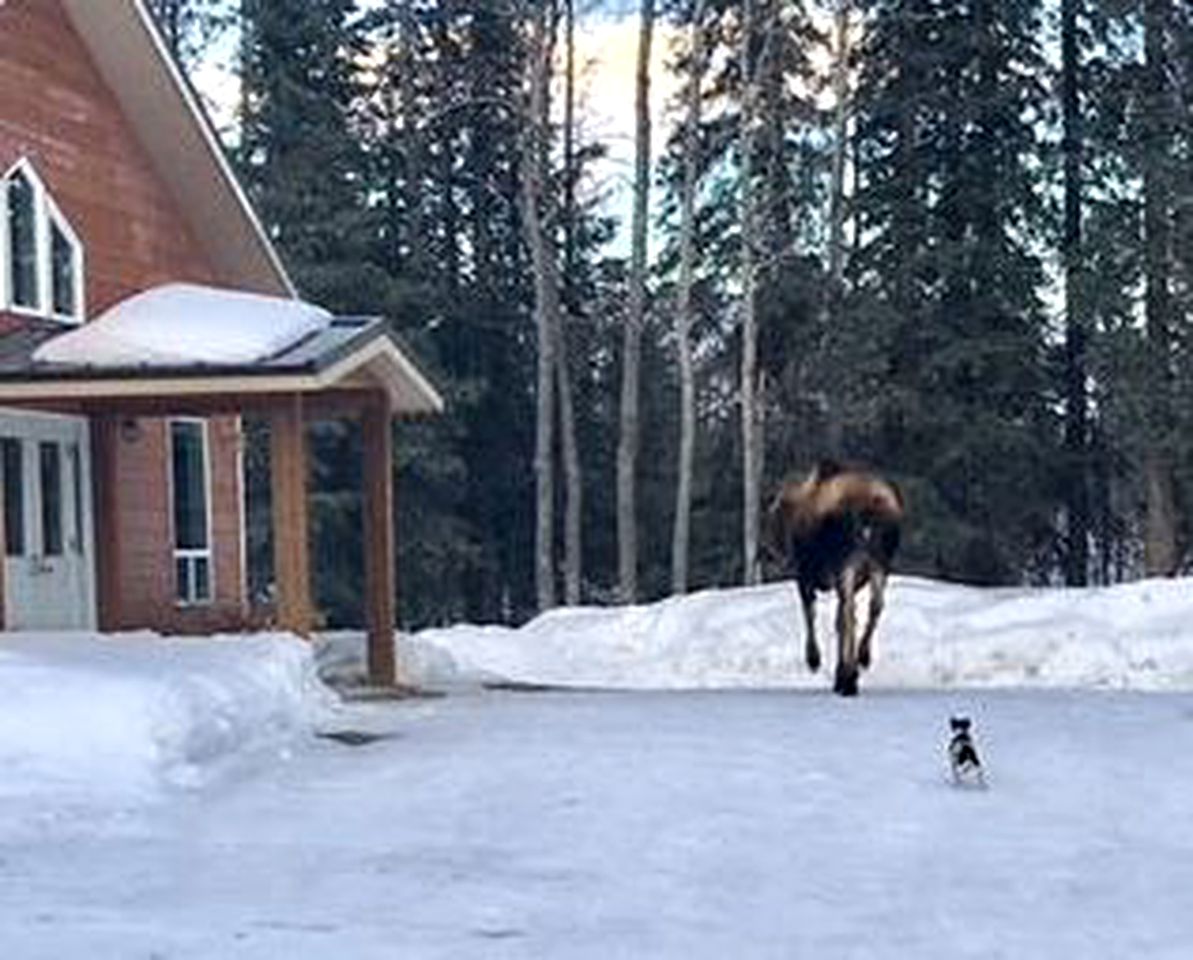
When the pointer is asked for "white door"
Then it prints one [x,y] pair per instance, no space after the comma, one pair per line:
[48,540]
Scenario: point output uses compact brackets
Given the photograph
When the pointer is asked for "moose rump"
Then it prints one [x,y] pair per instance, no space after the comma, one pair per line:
[838,529]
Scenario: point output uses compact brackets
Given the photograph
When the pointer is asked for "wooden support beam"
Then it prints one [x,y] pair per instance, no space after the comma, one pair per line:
[105,441]
[378,514]
[291,542]
[331,403]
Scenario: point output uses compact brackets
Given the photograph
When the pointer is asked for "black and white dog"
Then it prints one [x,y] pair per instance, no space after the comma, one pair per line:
[963,755]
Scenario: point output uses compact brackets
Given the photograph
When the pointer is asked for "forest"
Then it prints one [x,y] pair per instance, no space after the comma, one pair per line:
[951,240]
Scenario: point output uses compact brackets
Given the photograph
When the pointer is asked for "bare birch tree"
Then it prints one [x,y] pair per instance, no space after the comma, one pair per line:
[572,476]
[533,174]
[751,434]
[681,535]
[1161,554]
[412,138]
[840,144]
[836,239]
[628,439]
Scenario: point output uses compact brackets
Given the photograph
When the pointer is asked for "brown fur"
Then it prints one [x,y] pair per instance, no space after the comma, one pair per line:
[838,529]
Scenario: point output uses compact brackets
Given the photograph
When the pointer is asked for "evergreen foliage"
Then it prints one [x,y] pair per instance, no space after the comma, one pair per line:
[189,27]
[1030,392]
[950,276]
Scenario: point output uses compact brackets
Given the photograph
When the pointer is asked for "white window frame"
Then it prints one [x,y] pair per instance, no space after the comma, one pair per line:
[55,217]
[23,169]
[191,554]
[46,213]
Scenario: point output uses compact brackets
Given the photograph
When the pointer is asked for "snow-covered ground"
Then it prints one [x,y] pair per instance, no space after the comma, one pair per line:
[85,717]
[171,798]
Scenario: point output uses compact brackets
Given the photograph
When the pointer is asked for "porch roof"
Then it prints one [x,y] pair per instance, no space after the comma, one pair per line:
[350,353]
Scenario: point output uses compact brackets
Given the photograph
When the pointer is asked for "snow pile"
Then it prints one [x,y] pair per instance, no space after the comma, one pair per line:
[125,715]
[932,635]
[180,324]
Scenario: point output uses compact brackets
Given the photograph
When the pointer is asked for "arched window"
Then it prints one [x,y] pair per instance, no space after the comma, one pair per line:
[41,258]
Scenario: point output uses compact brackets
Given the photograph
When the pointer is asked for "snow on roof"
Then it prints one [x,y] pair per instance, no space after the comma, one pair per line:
[180,324]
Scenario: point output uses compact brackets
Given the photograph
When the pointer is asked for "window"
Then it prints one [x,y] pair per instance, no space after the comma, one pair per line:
[22,250]
[50,466]
[192,542]
[62,272]
[76,491]
[42,260]
[12,461]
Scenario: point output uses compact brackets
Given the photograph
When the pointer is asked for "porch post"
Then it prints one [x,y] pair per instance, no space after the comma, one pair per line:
[105,439]
[377,444]
[291,545]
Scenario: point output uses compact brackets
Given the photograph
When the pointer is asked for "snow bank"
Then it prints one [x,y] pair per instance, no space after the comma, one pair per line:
[933,635]
[179,324]
[126,715]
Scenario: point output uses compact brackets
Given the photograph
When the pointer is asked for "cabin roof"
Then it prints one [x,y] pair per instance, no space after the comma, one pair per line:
[349,353]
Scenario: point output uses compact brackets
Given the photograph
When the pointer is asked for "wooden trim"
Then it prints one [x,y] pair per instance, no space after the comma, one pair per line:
[291,541]
[377,364]
[326,404]
[378,539]
[105,439]
[242,517]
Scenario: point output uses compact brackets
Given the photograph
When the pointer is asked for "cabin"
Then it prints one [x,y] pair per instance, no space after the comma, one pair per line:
[144,313]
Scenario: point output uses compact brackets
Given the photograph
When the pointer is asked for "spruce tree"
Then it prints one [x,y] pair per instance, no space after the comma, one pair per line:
[298,154]
[949,210]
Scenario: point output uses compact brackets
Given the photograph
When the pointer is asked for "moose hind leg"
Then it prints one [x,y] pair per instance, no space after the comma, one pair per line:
[877,591]
[807,595]
[846,677]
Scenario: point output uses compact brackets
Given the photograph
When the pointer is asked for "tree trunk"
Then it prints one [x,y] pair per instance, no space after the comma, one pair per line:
[627,446]
[572,476]
[749,327]
[569,155]
[1160,557]
[411,141]
[546,297]
[1160,546]
[836,254]
[1076,422]
[681,533]
[836,251]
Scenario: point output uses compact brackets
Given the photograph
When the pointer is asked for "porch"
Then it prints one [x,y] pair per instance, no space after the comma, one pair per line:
[350,369]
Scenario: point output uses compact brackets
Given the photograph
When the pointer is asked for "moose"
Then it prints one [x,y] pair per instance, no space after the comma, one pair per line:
[838,529]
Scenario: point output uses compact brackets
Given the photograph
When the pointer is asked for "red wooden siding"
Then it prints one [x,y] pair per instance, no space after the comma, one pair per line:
[56,111]
[146,580]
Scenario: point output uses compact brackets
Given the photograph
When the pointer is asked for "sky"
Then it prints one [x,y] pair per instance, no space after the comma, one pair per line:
[607,51]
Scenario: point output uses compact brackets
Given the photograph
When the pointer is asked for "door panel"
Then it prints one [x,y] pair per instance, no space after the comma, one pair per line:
[48,556]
